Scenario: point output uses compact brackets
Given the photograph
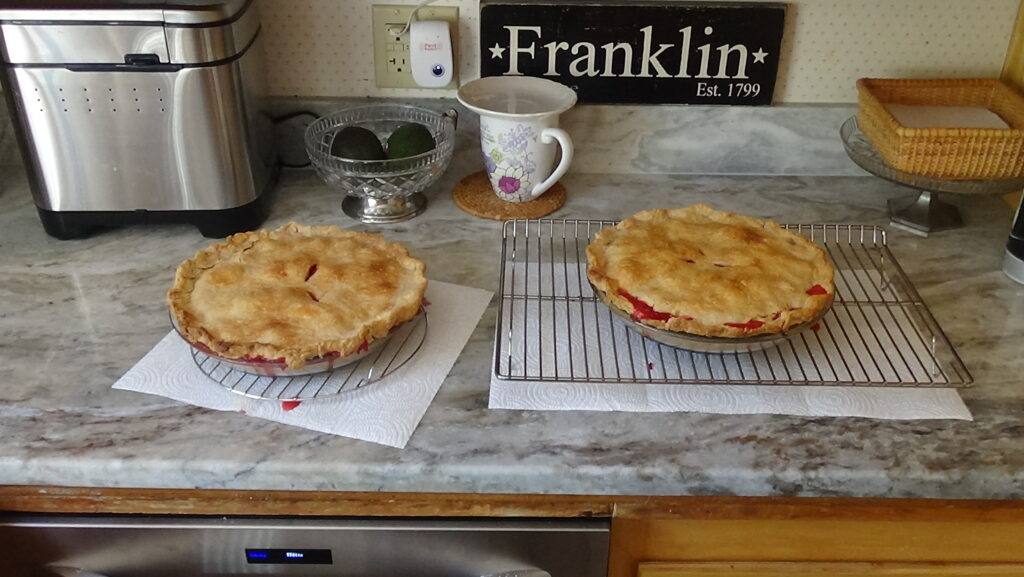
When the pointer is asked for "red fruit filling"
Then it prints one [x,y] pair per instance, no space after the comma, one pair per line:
[289,405]
[203,348]
[311,271]
[642,310]
[280,360]
[749,325]
[312,296]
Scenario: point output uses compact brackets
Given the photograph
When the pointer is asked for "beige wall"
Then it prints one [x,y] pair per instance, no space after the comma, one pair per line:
[323,47]
[1013,69]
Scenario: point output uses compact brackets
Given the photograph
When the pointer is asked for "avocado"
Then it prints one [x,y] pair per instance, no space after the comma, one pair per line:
[357,143]
[410,139]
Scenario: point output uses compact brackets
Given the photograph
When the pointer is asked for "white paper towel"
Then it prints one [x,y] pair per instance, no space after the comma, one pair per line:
[550,353]
[823,401]
[386,412]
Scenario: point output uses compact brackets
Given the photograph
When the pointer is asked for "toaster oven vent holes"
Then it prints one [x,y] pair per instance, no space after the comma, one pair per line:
[93,100]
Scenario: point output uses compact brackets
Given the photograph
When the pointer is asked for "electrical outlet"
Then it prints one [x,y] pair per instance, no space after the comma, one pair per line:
[391,48]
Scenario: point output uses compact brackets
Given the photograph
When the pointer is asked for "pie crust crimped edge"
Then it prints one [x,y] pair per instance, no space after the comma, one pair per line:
[684,320]
[404,307]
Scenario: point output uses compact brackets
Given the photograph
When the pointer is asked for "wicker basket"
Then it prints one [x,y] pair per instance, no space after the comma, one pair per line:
[953,153]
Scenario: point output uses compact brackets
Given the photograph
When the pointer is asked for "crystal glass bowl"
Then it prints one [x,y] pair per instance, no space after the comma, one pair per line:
[382,190]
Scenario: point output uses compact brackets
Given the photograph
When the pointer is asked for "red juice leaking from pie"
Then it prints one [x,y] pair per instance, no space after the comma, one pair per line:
[295,294]
[706,272]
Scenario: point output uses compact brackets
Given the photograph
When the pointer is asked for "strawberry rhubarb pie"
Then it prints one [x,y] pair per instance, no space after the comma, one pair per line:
[706,272]
[294,294]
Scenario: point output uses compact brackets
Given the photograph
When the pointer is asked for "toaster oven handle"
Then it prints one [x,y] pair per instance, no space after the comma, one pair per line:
[142,59]
[143,62]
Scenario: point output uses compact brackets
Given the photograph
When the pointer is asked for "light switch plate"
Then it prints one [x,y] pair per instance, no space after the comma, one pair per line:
[391,49]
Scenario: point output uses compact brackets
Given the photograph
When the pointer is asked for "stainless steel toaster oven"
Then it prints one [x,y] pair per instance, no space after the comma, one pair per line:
[130,112]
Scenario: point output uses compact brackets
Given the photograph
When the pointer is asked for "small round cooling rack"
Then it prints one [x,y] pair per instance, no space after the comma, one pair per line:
[336,377]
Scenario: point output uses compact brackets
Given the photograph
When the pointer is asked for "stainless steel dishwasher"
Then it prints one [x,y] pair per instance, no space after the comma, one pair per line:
[147,546]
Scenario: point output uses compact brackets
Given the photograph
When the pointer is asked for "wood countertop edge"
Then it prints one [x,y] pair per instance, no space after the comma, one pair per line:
[89,500]
[51,499]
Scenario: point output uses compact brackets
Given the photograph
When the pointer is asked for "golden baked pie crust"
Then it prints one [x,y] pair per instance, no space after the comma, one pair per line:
[297,293]
[713,273]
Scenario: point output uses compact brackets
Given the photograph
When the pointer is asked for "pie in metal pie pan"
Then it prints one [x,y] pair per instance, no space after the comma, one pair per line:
[703,344]
[709,280]
[296,300]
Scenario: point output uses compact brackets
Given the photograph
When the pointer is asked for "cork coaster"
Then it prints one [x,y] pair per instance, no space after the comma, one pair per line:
[473,194]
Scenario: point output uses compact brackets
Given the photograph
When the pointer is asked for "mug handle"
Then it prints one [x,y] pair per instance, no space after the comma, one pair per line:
[546,136]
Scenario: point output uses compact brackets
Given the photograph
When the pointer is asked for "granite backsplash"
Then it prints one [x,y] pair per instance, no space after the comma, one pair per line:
[775,140]
[795,140]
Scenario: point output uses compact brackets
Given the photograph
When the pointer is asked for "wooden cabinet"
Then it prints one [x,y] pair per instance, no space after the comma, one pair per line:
[810,569]
[706,537]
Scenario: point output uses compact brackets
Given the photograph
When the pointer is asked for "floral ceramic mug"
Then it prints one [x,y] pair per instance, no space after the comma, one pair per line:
[519,132]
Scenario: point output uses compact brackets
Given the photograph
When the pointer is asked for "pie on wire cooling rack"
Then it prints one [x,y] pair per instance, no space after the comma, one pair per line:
[706,272]
[295,293]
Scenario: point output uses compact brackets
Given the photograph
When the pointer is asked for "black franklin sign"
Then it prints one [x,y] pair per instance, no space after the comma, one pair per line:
[638,52]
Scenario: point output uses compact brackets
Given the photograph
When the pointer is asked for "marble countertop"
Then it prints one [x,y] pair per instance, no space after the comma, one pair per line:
[77,314]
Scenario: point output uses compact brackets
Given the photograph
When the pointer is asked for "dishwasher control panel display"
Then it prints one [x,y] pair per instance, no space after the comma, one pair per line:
[289,556]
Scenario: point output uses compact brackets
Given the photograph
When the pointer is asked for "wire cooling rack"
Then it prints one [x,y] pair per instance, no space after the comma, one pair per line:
[401,346]
[551,327]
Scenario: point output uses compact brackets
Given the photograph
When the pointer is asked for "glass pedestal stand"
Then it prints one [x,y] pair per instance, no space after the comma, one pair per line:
[384,210]
[925,213]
